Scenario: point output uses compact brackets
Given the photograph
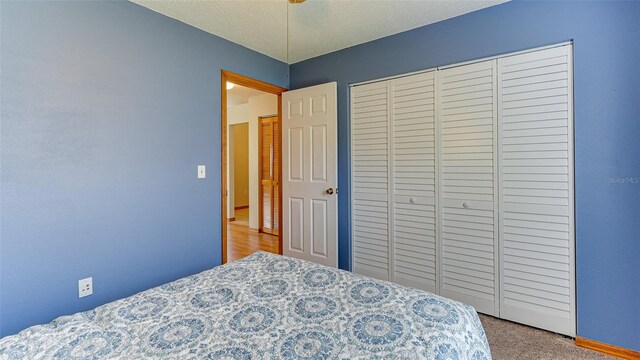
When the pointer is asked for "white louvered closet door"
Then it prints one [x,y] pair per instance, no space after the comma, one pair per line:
[468,195]
[536,150]
[413,181]
[369,185]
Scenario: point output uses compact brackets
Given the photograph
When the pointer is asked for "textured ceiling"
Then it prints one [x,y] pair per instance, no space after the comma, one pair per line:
[315,27]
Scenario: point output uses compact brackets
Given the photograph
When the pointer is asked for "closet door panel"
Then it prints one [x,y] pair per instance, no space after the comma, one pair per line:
[413,180]
[536,190]
[370,173]
[468,195]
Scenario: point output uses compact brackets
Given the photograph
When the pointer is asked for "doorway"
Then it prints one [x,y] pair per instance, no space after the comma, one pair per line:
[251,201]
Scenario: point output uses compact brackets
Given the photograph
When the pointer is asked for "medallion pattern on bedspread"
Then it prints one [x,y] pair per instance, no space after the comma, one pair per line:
[263,307]
[315,308]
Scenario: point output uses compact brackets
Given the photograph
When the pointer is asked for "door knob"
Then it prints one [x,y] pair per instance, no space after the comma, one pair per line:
[329,191]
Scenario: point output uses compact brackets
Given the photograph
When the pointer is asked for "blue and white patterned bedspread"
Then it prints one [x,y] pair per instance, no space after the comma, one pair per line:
[263,307]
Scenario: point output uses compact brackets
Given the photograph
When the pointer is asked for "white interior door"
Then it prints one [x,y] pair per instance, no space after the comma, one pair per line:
[309,174]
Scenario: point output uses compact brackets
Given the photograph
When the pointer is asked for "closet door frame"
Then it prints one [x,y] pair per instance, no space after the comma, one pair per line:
[497,161]
[572,196]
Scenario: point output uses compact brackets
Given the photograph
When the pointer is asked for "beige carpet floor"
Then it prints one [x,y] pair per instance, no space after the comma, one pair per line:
[511,341]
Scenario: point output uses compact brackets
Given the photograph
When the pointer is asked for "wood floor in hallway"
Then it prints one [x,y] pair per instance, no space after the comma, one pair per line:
[242,242]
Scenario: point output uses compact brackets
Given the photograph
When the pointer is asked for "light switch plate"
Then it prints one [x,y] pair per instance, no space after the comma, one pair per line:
[202,172]
[85,287]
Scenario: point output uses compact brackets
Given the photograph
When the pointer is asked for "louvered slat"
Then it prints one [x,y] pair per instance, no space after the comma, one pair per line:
[536,214]
[466,100]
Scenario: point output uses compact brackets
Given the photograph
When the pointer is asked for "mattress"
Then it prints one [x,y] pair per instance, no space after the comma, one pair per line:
[264,306]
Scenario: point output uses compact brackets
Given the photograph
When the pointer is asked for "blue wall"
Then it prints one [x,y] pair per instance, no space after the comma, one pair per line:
[107,109]
[607,129]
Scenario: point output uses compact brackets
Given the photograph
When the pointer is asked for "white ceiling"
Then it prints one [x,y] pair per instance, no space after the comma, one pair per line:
[315,27]
[240,95]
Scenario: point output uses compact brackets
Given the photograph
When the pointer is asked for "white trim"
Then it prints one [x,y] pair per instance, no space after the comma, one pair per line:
[572,207]
[349,177]
[390,182]
[351,207]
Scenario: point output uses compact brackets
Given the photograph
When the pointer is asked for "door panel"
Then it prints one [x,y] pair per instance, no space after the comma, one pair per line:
[295,231]
[370,180]
[536,214]
[295,148]
[412,122]
[319,153]
[319,239]
[266,208]
[468,195]
[309,152]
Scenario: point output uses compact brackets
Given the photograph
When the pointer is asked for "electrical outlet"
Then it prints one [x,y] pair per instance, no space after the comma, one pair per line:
[85,287]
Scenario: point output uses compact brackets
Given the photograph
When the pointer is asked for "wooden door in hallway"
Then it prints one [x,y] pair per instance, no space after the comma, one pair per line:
[269,165]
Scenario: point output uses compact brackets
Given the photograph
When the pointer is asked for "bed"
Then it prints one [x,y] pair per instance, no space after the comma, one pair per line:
[264,306]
